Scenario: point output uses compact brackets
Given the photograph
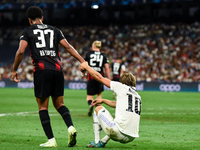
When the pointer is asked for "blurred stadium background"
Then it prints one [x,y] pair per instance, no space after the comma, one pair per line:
[158,39]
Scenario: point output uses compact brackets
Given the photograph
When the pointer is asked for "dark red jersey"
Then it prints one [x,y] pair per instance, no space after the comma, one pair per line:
[96,60]
[43,41]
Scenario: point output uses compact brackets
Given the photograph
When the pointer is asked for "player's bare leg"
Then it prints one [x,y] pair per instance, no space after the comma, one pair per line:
[64,112]
[99,96]
[45,121]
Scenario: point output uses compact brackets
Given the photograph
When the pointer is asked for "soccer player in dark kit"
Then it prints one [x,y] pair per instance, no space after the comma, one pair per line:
[118,69]
[43,41]
[98,61]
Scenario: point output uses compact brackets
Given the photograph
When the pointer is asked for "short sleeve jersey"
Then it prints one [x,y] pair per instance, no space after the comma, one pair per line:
[43,41]
[128,108]
[96,60]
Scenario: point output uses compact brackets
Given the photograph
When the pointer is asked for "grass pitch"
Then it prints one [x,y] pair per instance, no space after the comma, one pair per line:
[169,121]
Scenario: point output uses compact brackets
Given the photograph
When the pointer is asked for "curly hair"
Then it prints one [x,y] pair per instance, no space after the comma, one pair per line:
[34,12]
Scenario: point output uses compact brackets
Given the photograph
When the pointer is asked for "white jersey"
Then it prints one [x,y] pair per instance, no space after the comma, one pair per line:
[128,105]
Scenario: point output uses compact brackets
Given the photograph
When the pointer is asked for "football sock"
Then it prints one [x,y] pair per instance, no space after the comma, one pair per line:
[45,121]
[105,139]
[97,128]
[89,102]
[51,140]
[64,112]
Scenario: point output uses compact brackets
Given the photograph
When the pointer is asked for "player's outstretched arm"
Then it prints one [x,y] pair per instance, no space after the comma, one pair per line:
[96,102]
[71,50]
[95,74]
[18,58]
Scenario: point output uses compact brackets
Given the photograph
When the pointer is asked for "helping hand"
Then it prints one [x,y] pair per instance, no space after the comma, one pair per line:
[84,65]
[97,102]
[83,68]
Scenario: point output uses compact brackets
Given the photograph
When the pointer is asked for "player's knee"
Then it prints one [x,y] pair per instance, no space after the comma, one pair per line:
[98,108]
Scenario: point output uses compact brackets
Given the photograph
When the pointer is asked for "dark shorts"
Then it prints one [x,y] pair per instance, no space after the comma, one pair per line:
[94,87]
[48,83]
[116,77]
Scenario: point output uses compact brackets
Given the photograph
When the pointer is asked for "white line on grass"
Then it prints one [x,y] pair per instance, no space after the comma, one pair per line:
[35,113]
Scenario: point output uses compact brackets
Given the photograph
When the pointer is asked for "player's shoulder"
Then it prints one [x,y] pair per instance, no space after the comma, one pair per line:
[102,53]
[90,52]
[53,27]
[115,84]
[25,32]
[26,29]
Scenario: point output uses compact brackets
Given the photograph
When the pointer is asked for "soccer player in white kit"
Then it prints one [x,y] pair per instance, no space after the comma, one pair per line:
[124,127]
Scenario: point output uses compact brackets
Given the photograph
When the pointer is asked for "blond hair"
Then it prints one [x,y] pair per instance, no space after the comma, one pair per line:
[128,79]
[97,44]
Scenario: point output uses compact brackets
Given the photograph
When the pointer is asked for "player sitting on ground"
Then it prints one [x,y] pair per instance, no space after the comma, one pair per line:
[124,127]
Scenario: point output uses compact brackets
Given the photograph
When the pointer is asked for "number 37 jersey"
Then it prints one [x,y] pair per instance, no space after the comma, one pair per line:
[43,41]
[128,108]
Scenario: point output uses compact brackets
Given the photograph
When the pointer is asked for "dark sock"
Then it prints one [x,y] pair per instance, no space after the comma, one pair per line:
[45,121]
[64,112]
[89,102]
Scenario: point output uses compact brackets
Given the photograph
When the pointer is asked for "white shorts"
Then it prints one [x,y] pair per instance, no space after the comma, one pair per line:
[110,128]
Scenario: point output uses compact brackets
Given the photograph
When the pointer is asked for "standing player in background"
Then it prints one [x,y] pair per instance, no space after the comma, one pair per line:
[117,69]
[98,61]
[124,127]
[43,41]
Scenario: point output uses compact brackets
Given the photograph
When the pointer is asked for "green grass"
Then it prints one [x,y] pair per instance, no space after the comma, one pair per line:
[169,121]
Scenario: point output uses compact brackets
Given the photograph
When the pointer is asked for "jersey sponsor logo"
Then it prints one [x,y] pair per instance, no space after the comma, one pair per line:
[170,87]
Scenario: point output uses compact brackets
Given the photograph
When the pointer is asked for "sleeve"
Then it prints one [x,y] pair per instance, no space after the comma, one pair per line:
[24,35]
[60,35]
[115,86]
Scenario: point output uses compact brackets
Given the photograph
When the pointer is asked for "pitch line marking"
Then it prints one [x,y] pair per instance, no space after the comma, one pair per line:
[35,113]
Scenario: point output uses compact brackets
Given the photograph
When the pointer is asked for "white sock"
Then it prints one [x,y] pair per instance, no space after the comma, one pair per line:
[70,128]
[97,128]
[52,139]
[105,139]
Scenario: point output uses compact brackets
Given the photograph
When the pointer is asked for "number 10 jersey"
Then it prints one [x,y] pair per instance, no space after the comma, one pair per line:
[128,108]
